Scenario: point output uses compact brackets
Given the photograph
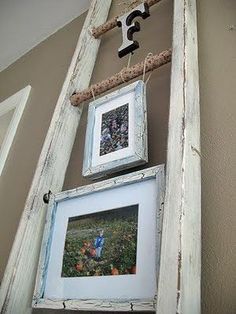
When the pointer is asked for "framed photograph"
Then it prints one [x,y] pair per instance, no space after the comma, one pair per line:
[116,136]
[101,245]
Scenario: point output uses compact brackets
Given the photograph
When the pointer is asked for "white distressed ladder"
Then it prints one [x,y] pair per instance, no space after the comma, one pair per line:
[180,265]
[179,276]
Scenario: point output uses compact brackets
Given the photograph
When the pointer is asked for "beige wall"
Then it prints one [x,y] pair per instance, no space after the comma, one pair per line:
[217,55]
[45,67]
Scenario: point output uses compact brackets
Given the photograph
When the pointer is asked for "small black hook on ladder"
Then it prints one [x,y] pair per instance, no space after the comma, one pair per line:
[46,197]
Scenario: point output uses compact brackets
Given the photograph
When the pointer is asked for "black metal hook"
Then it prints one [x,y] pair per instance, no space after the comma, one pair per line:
[46,197]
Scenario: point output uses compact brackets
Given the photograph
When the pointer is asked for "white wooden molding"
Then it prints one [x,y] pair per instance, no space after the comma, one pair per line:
[16,102]
[18,282]
[180,265]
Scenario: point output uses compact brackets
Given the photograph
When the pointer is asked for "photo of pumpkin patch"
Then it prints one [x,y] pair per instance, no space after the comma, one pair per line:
[101,244]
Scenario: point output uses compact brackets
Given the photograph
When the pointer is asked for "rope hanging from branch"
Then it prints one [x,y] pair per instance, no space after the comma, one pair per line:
[150,63]
[112,23]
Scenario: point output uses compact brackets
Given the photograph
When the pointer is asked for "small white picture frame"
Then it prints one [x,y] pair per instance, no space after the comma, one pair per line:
[64,279]
[116,135]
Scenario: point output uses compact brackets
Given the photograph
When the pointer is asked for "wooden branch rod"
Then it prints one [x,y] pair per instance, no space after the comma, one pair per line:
[112,23]
[125,75]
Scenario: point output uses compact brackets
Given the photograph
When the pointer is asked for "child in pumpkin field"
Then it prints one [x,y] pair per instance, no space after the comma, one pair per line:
[98,244]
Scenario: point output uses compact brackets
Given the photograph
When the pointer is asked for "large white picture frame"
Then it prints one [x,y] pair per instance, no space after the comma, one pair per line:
[133,291]
[116,136]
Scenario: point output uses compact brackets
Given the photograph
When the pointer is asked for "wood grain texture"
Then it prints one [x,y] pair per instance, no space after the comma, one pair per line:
[100,305]
[153,172]
[17,285]
[180,266]
[39,300]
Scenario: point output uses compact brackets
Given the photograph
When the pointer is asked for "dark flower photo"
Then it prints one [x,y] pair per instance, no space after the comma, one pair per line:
[114,130]
[101,244]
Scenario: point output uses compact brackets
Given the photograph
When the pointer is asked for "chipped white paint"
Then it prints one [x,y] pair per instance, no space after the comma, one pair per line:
[180,265]
[17,103]
[94,304]
[133,306]
[100,305]
[153,172]
[17,286]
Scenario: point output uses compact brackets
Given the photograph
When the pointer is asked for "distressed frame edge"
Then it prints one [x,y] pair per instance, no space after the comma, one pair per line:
[133,305]
[43,256]
[132,177]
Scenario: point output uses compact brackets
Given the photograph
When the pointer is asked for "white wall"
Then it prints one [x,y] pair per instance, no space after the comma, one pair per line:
[25,23]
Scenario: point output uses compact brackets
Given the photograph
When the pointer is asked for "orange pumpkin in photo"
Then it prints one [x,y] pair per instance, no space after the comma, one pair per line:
[92,252]
[79,266]
[82,250]
[133,269]
[114,271]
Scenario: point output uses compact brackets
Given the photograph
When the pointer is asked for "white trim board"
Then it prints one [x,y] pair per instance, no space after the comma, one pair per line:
[17,102]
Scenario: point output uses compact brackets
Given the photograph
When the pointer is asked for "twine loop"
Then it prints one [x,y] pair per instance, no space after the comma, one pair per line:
[150,54]
[92,91]
[128,65]
[129,60]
